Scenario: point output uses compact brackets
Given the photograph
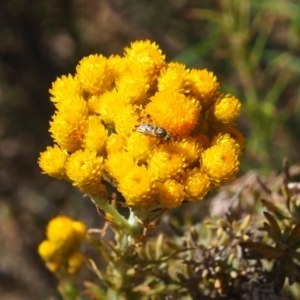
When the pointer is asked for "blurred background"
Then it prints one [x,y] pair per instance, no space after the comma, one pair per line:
[253,47]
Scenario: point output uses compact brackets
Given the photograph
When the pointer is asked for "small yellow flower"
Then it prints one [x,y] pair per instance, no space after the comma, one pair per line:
[107,105]
[173,77]
[220,162]
[174,112]
[226,109]
[133,85]
[60,232]
[223,139]
[203,86]
[95,135]
[47,250]
[68,130]
[171,193]
[140,145]
[94,74]
[165,163]
[59,251]
[84,168]
[148,56]
[190,148]
[126,119]
[72,107]
[117,65]
[118,164]
[196,184]
[53,161]
[137,187]
[236,135]
[65,87]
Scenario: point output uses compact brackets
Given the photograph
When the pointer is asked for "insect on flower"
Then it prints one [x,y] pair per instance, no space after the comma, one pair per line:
[157,131]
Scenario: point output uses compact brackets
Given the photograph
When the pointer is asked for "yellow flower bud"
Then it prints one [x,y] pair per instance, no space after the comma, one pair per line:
[65,87]
[173,77]
[220,162]
[164,163]
[60,232]
[68,130]
[47,250]
[140,145]
[137,187]
[226,108]
[148,56]
[94,74]
[196,184]
[175,112]
[171,194]
[95,135]
[85,169]
[53,161]
[203,86]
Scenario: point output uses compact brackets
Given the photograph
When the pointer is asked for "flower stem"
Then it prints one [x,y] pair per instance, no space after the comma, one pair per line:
[102,203]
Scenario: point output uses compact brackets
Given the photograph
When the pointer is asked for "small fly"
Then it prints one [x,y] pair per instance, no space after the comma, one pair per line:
[152,130]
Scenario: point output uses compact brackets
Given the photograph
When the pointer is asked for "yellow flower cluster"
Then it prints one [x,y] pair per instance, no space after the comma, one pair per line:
[60,249]
[162,133]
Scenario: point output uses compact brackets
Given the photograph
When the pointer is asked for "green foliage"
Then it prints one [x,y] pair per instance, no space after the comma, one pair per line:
[237,255]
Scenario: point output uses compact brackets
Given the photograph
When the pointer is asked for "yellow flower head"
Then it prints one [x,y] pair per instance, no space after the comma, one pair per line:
[226,109]
[140,145]
[60,232]
[148,56]
[65,87]
[134,85]
[95,135]
[159,132]
[196,184]
[117,65]
[94,74]
[64,237]
[165,163]
[126,119]
[138,187]
[220,162]
[84,168]
[203,86]
[107,105]
[53,161]
[223,139]
[236,135]
[171,193]
[47,250]
[190,149]
[174,112]
[68,130]
[173,77]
